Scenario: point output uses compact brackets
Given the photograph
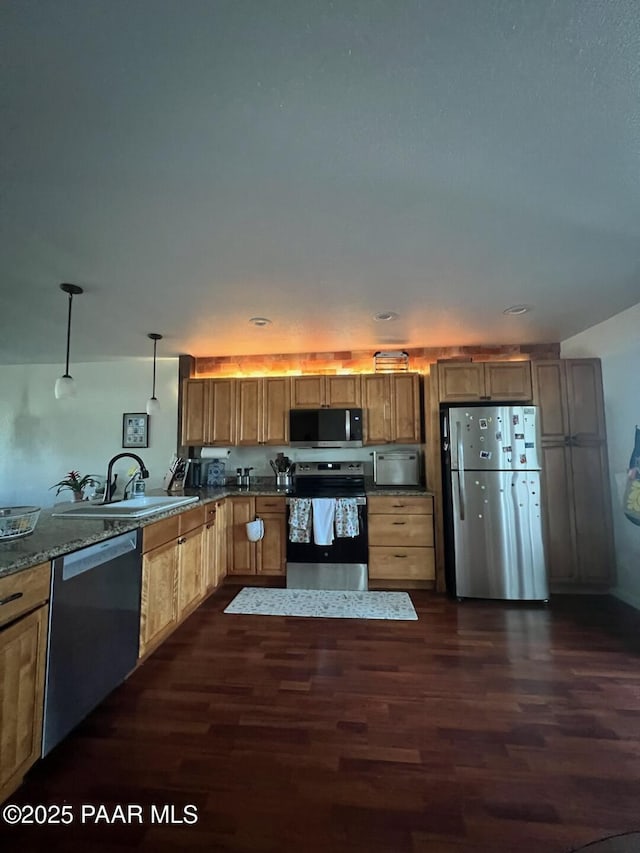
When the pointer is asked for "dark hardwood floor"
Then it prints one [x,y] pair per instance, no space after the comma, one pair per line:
[481,727]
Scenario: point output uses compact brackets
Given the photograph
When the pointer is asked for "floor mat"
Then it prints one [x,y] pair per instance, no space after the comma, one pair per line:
[333,604]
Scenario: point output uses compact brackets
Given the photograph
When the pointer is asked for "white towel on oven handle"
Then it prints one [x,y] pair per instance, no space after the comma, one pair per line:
[324,510]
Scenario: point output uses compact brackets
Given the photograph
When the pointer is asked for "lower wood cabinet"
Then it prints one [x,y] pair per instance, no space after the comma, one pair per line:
[179,566]
[159,599]
[401,541]
[271,556]
[191,579]
[23,646]
[266,557]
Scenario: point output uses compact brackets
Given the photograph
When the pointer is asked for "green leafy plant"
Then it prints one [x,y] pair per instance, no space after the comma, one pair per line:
[74,482]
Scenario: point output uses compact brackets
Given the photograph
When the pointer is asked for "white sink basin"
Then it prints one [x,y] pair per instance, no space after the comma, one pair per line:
[132,508]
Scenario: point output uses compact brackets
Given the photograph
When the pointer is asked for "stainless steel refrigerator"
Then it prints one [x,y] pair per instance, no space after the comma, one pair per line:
[493,523]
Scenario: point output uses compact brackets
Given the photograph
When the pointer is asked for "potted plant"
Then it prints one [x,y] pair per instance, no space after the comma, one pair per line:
[75,483]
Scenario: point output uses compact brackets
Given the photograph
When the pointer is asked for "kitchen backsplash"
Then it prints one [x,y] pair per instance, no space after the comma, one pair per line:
[258,457]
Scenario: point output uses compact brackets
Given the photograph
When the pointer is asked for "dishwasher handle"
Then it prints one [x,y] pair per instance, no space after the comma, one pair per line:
[85,559]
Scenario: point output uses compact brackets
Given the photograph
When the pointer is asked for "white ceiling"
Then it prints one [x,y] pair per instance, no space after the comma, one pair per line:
[315,161]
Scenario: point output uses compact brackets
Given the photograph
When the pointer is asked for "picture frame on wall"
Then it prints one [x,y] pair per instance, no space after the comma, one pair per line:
[135,429]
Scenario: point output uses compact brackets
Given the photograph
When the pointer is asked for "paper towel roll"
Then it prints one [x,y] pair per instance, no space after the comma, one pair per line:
[215,453]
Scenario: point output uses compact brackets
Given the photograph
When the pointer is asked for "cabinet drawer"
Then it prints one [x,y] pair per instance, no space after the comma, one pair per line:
[160,532]
[191,519]
[265,504]
[30,588]
[402,563]
[406,530]
[416,505]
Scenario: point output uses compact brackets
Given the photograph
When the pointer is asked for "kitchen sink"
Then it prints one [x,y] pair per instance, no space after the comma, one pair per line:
[131,508]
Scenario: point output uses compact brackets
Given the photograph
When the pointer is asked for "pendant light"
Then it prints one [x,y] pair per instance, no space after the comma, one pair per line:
[65,386]
[153,404]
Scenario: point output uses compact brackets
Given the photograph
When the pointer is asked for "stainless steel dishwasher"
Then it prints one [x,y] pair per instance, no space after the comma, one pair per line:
[94,626]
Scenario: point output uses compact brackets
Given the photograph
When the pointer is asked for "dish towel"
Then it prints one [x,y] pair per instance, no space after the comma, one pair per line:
[347,524]
[300,520]
[324,510]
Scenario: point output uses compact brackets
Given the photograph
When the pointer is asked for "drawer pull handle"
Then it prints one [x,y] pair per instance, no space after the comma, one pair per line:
[399,522]
[400,556]
[398,506]
[10,598]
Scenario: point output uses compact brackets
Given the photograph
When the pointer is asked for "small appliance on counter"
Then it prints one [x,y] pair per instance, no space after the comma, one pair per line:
[396,468]
[194,474]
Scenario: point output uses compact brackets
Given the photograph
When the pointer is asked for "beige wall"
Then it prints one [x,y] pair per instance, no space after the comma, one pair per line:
[42,438]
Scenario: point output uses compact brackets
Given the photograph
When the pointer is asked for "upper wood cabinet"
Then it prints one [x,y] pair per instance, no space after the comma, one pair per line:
[569,393]
[466,381]
[316,392]
[391,404]
[208,411]
[262,410]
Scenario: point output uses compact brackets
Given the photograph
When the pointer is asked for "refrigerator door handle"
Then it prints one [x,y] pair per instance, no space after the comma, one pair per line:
[460,466]
[461,496]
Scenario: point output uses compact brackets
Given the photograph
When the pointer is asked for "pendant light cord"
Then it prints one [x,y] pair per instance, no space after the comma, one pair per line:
[66,372]
[153,393]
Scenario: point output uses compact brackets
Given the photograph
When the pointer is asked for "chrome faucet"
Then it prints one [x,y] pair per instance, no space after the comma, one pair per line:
[107,486]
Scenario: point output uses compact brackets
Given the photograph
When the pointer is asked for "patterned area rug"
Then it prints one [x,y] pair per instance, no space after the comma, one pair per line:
[330,603]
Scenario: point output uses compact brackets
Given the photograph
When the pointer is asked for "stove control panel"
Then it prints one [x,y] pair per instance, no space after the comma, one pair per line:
[330,469]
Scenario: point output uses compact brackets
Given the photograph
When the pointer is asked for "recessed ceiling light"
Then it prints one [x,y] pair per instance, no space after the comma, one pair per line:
[517,309]
[384,316]
[260,321]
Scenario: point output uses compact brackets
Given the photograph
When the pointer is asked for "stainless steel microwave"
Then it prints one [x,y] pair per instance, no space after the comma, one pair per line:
[325,427]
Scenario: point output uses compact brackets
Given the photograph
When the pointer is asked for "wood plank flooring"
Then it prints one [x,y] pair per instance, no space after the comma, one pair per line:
[482,727]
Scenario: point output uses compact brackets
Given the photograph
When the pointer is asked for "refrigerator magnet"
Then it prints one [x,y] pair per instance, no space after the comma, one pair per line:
[519,436]
[482,423]
[507,449]
[485,454]
[523,459]
[528,445]
[498,436]
[515,420]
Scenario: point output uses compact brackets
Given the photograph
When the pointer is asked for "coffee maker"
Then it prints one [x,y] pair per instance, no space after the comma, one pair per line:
[194,474]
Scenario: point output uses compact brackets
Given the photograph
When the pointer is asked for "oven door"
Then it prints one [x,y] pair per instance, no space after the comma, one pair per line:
[342,565]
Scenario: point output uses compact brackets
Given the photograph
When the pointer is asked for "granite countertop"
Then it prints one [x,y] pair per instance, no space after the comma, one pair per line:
[53,537]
